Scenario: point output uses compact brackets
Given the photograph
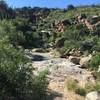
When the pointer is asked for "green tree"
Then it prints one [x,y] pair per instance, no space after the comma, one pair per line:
[17,81]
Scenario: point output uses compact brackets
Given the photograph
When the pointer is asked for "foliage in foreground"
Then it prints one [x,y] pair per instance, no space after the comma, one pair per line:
[17,81]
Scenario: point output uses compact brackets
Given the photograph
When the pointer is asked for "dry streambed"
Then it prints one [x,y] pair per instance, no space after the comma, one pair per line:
[59,70]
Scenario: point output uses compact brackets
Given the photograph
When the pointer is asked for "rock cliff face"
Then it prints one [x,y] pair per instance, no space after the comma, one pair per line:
[37,14]
[34,14]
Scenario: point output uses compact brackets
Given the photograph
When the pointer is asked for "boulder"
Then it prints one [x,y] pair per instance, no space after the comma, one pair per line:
[95,95]
[98,69]
[40,50]
[75,52]
[74,60]
[85,61]
[27,50]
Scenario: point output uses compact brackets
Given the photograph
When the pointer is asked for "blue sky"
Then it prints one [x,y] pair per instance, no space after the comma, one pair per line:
[50,3]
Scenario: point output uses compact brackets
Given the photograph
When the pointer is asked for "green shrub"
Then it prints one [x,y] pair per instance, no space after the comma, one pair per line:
[92,87]
[95,62]
[97,86]
[42,74]
[17,81]
[87,45]
[68,45]
[63,50]
[96,48]
[72,34]
[71,84]
[89,87]
[79,26]
[80,91]
[71,44]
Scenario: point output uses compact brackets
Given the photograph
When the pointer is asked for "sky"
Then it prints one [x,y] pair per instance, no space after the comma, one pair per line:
[50,3]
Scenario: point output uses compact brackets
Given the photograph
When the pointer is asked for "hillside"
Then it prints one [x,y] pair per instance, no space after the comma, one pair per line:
[49,53]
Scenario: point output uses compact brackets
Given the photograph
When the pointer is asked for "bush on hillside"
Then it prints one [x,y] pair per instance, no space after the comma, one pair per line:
[21,33]
[87,45]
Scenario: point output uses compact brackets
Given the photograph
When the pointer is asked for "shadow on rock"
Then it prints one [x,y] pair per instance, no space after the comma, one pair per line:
[35,57]
[52,95]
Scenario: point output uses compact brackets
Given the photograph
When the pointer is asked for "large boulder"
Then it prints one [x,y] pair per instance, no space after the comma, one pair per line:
[84,61]
[93,95]
[74,60]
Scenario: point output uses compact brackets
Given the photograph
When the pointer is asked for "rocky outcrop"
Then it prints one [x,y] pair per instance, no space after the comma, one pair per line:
[84,61]
[91,23]
[58,26]
[34,14]
[75,52]
[93,95]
